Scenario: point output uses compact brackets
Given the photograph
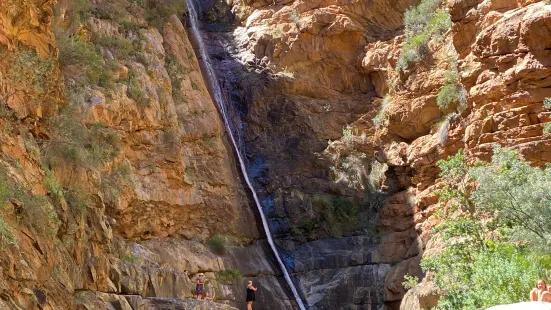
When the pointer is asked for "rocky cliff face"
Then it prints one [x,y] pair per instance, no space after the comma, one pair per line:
[299,72]
[115,169]
[293,79]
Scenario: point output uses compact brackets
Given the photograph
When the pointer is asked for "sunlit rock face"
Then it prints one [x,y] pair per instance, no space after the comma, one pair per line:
[502,59]
[145,214]
[304,80]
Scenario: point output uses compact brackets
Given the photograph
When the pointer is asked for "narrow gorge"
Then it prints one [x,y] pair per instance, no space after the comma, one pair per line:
[297,144]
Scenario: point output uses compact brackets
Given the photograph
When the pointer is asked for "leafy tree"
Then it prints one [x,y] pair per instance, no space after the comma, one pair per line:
[495,217]
[516,193]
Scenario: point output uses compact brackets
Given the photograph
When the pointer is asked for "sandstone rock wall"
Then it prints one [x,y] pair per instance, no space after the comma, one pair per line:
[80,234]
[305,80]
[506,75]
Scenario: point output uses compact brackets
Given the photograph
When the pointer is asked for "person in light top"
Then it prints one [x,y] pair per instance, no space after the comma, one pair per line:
[540,292]
[200,286]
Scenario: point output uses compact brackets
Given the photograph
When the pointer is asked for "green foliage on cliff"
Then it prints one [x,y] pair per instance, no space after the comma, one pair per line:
[112,183]
[177,73]
[410,281]
[75,143]
[79,61]
[494,233]
[422,24]
[337,215]
[217,244]
[6,233]
[30,72]
[158,12]
[381,119]
[229,275]
[122,47]
[547,103]
[135,91]
[34,210]
[452,93]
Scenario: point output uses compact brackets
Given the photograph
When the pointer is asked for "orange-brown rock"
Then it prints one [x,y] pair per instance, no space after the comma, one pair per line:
[25,31]
[181,180]
[503,64]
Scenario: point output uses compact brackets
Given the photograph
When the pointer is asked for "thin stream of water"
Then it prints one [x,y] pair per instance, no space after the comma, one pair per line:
[219,98]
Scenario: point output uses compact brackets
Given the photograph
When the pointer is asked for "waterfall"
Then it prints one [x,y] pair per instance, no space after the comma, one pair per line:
[220,101]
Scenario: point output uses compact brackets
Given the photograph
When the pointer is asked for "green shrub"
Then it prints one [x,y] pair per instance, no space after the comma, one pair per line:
[31,73]
[159,11]
[337,214]
[422,24]
[547,103]
[52,184]
[6,233]
[217,244]
[177,73]
[130,258]
[410,281]
[135,91]
[121,47]
[381,119]
[113,182]
[170,138]
[229,275]
[414,50]
[78,12]
[78,200]
[79,61]
[416,19]
[130,26]
[514,192]
[33,210]
[452,92]
[308,226]
[4,190]
[494,234]
[484,277]
[547,128]
[140,3]
[109,11]
[72,142]
[294,16]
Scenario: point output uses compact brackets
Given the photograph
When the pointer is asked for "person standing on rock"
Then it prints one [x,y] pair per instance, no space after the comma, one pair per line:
[250,295]
[200,286]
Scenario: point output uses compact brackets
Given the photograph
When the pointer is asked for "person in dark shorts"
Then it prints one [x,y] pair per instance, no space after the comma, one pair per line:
[250,295]
[200,286]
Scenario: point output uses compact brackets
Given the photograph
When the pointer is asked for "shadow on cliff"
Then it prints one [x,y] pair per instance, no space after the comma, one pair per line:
[281,133]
